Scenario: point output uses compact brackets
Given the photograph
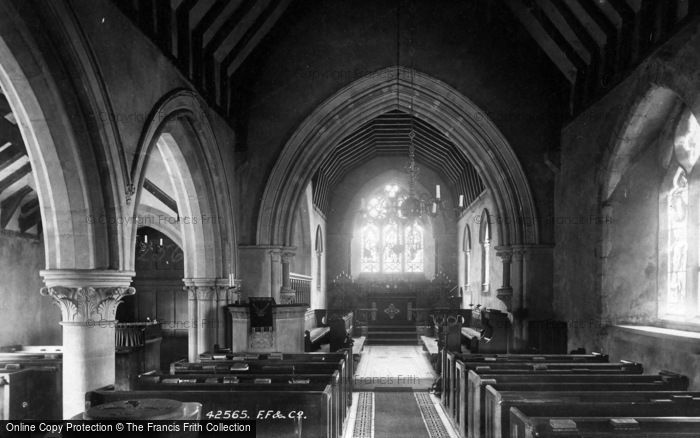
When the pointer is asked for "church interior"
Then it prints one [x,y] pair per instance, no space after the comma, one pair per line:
[469,218]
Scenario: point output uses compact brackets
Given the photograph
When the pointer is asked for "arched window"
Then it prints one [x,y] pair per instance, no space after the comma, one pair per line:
[370,248]
[467,249]
[390,244]
[485,241]
[319,257]
[680,212]
[677,217]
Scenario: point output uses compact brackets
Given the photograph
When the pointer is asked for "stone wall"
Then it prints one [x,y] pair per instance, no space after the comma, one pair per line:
[27,317]
[606,222]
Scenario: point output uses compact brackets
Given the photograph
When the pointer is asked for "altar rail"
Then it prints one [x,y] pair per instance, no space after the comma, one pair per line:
[302,288]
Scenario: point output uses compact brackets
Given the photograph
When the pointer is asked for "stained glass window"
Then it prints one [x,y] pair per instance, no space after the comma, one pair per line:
[389,244]
[677,241]
[392,249]
[370,249]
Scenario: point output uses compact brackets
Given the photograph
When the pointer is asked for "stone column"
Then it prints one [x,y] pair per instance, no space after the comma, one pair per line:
[276,274]
[225,295]
[287,294]
[88,300]
[203,314]
[192,325]
[505,292]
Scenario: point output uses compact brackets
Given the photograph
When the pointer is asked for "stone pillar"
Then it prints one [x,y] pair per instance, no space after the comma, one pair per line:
[276,274]
[206,321]
[505,292]
[287,294]
[226,295]
[192,325]
[88,300]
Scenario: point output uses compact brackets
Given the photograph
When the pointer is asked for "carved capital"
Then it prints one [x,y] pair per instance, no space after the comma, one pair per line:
[506,255]
[287,257]
[205,293]
[87,304]
[191,292]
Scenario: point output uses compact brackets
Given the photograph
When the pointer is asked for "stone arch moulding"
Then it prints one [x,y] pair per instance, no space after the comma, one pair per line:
[71,203]
[433,101]
[178,126]
[641,126]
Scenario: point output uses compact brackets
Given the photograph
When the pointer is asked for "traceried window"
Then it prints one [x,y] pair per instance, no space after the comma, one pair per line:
[677,242]
[390,244]
[680,211]
[370,248]
[485,241]
[467,249]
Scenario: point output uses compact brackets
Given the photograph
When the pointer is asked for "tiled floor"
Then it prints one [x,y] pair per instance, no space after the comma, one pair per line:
[400,366]
[389,368]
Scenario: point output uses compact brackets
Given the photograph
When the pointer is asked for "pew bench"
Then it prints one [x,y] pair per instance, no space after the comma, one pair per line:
[499,403]
[306,364]
[478,384]
[475,421]
[315,401]
[29,393]
[260,382]
[345,354]
[454,375]
[523,426]
[44,387]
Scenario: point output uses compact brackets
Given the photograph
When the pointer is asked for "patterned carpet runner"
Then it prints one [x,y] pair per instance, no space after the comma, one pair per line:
[397,414]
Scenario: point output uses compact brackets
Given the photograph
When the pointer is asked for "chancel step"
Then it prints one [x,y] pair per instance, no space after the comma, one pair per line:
[404,334]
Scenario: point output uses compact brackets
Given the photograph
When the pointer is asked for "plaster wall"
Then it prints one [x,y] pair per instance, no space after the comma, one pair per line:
[27,317]
[606,265]
[472,290]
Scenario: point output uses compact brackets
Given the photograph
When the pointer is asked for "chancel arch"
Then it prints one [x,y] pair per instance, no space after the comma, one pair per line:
[429,99]
[455,117]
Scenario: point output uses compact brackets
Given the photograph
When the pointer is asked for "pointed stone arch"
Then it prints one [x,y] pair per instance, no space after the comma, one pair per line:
[431,100]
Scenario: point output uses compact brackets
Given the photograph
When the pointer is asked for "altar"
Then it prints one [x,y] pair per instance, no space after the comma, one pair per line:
[392,308]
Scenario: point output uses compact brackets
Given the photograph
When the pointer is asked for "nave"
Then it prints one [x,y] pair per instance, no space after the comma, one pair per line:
[266,205]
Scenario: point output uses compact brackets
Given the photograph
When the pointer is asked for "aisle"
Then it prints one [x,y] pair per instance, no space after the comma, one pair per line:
[409,414]
[393,367]
[392,398]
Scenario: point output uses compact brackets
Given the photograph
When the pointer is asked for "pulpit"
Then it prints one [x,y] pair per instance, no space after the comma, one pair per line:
[264,327]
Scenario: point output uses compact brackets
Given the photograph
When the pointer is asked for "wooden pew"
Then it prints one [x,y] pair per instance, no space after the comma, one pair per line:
[29,394]
[523,426]
[315,401]
[458,406]
[49,359]
[455,377]
[345,353]
[486,331]
[475,420]
[242,382]
[498,403]
[451,381]
[307,365]
[478,384]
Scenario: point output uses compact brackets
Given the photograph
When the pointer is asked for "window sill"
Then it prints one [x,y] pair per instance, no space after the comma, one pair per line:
[689,341]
